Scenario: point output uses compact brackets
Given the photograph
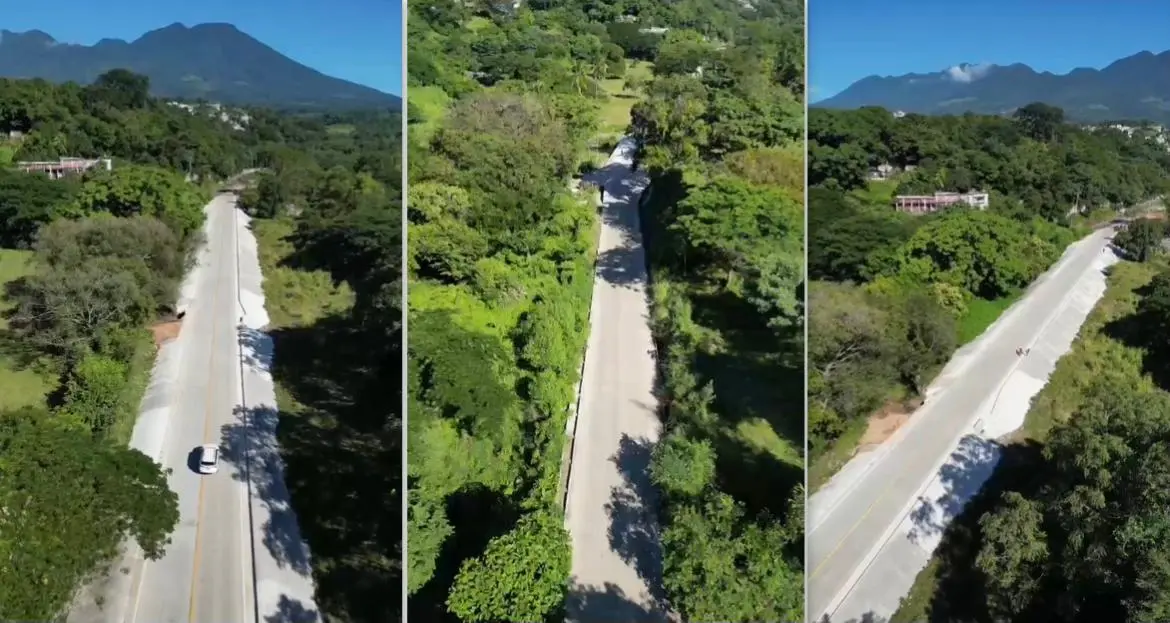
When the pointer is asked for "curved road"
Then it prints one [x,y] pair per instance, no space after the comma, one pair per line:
[853,517]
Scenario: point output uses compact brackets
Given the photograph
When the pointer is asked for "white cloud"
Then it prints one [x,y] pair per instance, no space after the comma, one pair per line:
[967,73]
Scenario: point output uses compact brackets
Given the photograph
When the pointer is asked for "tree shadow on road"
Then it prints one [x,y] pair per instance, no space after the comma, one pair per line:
[625,264]
[958,592]
[606,604]
[292,611]
[338,436]
[962,476]
[868,617]
[632,510]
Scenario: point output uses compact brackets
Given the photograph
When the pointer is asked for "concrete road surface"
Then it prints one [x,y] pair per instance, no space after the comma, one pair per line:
[616,572]
[852,517]
[206,574]
[236,555]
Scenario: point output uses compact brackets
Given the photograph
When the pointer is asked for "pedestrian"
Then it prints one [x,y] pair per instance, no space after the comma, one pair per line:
[1028,351]
[601,187]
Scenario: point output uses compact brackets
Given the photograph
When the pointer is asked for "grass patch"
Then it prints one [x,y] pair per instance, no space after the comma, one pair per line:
[615,110]
[474,24]
[293,297]
[938,592]
[982,313]
[20,385]
[429,105]
[340,129]
[829,462]
[876,193]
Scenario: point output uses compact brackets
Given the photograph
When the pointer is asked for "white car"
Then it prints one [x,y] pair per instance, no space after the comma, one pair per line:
[208,459]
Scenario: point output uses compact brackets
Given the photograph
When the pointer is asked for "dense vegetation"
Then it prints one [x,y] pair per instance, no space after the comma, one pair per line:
[724,225]
[501,273]
[892,295]
[100,259]
[329,231]
[91,262]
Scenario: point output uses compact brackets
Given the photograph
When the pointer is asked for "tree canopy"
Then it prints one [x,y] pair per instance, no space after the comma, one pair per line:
[894,294]
[721,134]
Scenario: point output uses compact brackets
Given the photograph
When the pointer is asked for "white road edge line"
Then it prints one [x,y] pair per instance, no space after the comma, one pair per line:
[984,407]
[884,450]
[239,382]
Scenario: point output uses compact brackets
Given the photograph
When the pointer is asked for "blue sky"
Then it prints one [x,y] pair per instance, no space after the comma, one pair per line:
[358,40]
[851,39]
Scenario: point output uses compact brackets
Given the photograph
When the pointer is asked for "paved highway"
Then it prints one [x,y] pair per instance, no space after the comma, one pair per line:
[237,555]
[852,517]
[206,574]
[609,512]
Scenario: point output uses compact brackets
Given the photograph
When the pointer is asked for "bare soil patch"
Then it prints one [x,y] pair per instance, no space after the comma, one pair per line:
[164,332]
[883,424]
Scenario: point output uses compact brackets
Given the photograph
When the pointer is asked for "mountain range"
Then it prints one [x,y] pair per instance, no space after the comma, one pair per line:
[215,62]
[1133,88]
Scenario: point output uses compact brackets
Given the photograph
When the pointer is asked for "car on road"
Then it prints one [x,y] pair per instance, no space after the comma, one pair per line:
[208,458]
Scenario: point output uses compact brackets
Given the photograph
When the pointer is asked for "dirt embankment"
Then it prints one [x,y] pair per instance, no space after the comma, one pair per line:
[887,421]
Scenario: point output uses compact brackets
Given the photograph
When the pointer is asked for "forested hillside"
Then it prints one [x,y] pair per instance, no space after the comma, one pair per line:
[92,265]
[893,295]
[722,130]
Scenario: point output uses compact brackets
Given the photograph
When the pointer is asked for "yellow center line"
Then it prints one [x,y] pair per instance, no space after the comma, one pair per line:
[206,427]
[886,490]
[864,515]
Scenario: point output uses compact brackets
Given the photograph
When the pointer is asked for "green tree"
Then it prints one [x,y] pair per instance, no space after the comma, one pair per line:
[77,498]
[95,391]
[718,565]
[1141,239]
[683,466]
[522,576]
[147,191]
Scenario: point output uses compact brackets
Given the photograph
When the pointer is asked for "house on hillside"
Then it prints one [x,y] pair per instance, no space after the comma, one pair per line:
[926,204]
[883,171]
[65,166]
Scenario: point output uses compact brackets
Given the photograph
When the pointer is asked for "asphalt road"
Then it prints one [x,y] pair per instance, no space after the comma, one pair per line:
[850,521]
[616,571]
[205,575]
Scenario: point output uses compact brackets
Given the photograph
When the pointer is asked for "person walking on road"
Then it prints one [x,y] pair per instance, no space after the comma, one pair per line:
[601,188]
